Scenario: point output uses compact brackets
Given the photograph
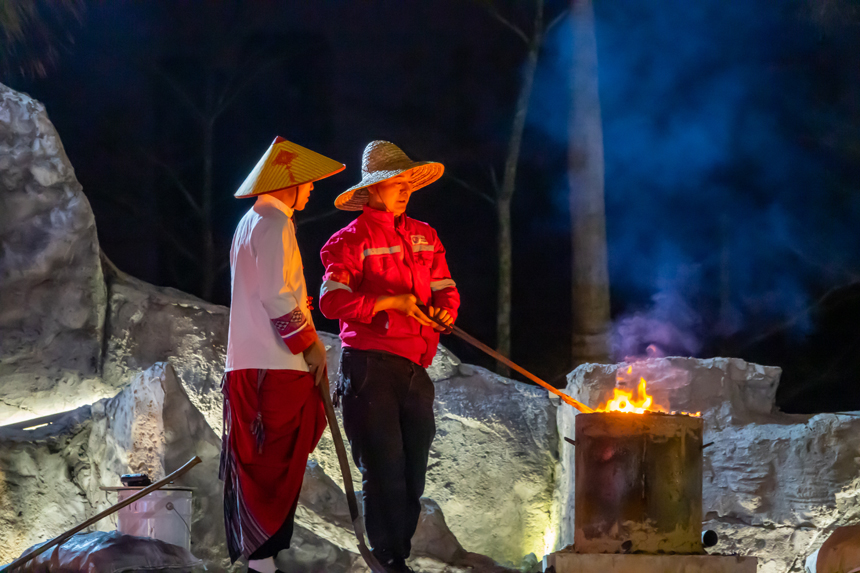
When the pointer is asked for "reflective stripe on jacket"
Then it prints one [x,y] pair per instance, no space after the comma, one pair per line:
[379,255]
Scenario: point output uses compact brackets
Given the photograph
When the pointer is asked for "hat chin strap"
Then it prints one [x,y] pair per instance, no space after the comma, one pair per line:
[377,201]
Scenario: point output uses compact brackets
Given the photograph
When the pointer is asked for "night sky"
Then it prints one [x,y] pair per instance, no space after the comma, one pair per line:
[731,137]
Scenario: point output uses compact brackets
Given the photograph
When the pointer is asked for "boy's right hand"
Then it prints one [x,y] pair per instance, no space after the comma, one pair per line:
[405,303]
[316,359]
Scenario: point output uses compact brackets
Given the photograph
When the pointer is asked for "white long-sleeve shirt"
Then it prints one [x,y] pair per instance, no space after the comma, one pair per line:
[269,308]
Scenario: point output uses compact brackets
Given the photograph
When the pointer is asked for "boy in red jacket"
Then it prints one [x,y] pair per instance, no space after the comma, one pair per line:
[381,270]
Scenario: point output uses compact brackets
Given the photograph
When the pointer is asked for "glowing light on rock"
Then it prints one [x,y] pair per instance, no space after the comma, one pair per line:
[549,539]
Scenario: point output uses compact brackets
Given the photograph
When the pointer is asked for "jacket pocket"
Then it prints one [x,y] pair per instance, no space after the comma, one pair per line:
[424,259]
[378,265]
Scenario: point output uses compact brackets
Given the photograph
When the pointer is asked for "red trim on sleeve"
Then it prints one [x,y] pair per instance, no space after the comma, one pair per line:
[301,341]
[295,331]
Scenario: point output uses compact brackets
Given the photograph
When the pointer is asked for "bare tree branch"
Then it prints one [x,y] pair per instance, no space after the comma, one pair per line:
[557,19]
[226,101]
[314,218]
[791,321]
[472,188]
[180,93]
[174,176]
[822,267]
[513,27]
[537,26]
[494,179]
[162,232]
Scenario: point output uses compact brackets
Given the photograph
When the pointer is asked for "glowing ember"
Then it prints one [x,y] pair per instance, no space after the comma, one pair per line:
[636,402]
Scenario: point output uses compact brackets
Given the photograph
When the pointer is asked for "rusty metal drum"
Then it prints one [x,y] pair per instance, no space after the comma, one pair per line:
[638,483]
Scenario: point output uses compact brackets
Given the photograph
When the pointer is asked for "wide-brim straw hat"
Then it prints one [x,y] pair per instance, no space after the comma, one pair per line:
[286,164]
[383,160]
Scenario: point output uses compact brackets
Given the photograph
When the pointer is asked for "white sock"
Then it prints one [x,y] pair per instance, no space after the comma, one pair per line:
[266,565]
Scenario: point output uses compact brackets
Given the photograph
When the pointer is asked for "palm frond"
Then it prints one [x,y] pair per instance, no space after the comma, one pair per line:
[33,34]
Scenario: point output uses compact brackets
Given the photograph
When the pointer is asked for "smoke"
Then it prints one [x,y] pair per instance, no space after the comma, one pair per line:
[731,191]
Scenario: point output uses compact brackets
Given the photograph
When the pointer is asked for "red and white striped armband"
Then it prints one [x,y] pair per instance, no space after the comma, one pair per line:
[295,331]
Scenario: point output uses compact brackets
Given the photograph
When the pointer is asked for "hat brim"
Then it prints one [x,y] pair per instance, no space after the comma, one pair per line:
[285,165]
[311,180]
[421,174]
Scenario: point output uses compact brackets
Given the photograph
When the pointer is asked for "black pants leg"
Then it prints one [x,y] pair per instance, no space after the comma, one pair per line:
[388,418]
[280,540]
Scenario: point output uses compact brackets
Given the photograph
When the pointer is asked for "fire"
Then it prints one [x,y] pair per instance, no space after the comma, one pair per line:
[624,401]
[636,402]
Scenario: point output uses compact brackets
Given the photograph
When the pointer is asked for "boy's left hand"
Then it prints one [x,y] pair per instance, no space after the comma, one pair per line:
[442,315]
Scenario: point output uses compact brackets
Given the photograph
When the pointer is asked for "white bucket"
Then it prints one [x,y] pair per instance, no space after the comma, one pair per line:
[164,514]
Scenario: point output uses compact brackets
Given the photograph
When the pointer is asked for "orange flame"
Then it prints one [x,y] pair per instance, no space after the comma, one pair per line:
[636,402]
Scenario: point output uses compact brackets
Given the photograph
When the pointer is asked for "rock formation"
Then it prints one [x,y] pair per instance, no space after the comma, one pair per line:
[50,337]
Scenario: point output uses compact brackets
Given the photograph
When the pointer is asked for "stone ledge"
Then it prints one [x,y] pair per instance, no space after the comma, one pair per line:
[570,562]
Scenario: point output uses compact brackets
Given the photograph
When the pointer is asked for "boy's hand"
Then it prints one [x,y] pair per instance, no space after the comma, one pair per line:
[441,315]
[405,303]
[316,359]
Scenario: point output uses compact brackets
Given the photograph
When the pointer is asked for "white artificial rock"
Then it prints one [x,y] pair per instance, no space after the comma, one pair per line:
[777,489]
[128,429]
[730,389]
[570,562]
[493,464]
[148,324]
[44,481]
[50,477]
[53,304]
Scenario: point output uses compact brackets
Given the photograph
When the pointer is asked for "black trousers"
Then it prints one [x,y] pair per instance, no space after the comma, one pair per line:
[388,419]
[280,540]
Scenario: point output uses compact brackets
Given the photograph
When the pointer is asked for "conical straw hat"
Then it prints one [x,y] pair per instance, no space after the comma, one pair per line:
[383,160]
[286,164]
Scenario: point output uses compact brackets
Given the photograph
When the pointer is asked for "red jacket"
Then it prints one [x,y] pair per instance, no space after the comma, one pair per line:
[378,255]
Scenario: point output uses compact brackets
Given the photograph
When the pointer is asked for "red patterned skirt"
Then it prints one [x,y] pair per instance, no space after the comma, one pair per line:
[273,420]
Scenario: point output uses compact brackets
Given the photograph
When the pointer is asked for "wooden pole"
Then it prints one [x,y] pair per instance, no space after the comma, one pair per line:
[457,331]
[112,509]
[348,488]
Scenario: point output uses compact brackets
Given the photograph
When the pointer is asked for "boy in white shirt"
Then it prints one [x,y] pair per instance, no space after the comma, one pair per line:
[273,412]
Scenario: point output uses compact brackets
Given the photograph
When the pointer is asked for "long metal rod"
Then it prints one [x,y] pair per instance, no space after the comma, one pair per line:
[460,333]
[112,509]
[343,461]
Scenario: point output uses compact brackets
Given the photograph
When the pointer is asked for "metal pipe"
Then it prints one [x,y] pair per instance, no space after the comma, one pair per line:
[460,333]
[709,538]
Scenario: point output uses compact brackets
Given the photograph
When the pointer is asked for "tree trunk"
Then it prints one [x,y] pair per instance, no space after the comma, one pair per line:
[208,278]
[590,290]
[506,192]
[503,316]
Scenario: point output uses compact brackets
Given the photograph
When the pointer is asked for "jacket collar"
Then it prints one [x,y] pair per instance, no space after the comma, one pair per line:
[267,199]
[383,218]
